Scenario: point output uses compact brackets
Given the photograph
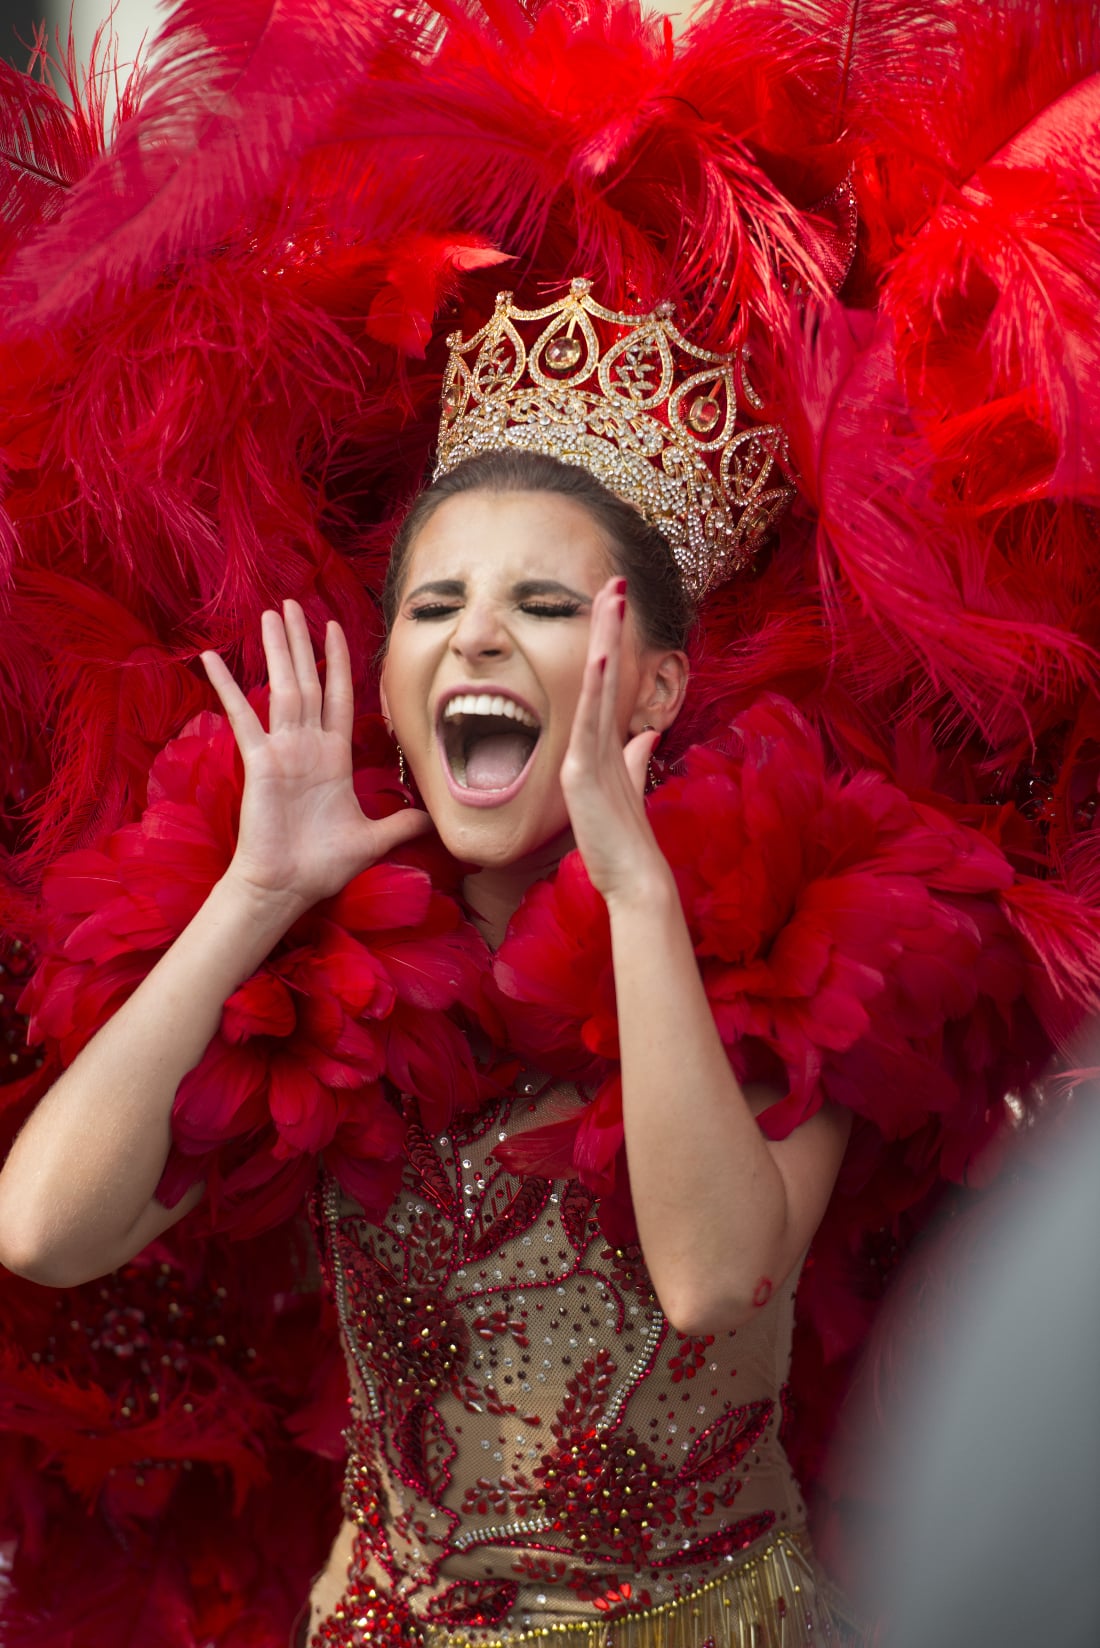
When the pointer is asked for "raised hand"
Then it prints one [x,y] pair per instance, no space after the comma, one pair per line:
[604,782]
[303,835]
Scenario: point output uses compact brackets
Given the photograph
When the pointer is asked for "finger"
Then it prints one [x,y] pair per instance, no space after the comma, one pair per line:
[286,700]
[239,712]
[588,744]
[584,734]
[339,711]
[636,754]
[391,833]
[303,662]
[614,626]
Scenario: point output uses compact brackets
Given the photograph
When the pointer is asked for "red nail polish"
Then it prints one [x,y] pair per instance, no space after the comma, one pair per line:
[603,665]
[620,586]
[622,607]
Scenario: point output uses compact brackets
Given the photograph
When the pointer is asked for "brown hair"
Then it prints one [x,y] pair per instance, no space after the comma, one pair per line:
[638,552]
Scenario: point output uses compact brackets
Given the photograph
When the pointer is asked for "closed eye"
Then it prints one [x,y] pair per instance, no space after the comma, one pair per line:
[428,610]
[547,609]
[432,609]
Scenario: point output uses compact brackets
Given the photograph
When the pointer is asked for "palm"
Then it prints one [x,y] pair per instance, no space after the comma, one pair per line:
[302,831]
[300,820]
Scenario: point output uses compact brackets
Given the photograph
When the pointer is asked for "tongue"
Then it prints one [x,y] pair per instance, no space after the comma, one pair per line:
[496,760]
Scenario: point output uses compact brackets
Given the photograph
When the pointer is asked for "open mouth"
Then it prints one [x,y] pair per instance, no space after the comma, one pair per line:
[487,741]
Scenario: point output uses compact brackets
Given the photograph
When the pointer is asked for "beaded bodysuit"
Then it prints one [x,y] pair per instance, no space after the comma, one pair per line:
[531,1443]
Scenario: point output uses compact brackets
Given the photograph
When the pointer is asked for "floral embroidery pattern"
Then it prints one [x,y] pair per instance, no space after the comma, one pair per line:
[526,1422]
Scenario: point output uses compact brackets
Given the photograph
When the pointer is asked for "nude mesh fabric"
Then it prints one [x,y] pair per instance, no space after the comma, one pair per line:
[528,1431]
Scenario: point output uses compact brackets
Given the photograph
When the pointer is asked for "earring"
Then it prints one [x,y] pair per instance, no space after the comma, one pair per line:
[402,769]
[652,777]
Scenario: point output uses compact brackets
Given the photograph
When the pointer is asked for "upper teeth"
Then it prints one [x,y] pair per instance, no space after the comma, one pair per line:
[484,703]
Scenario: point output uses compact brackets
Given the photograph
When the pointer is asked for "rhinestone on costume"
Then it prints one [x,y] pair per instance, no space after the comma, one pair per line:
[630,399]
[569,1489]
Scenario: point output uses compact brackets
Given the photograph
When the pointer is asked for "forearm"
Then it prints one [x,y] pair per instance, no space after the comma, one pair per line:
[77,1191]
[718,1223]
[723,1213]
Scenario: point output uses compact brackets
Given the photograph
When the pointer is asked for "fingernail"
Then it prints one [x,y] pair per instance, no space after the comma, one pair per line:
[620,586]
[603,665]
[622,607]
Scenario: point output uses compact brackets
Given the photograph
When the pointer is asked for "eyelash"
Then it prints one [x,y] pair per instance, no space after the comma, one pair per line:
[536,609]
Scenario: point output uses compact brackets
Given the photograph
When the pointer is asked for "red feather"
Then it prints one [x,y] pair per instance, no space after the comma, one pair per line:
[894,556]
[228,97]
[52,137]
[111,691]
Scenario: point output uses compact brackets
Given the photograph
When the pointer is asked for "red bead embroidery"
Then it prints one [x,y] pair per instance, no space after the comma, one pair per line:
[368,1617]
[525,1421]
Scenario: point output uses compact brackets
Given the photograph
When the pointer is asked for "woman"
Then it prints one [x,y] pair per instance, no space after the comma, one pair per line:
[508,582]
[858,950]
[521,1455]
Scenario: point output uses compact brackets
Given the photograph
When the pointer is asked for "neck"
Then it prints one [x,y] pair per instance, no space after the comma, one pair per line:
[495,893]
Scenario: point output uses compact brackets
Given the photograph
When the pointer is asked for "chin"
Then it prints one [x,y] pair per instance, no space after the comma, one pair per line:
[492,841]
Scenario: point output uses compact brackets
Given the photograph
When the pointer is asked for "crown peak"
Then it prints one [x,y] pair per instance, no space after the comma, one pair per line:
[665,425]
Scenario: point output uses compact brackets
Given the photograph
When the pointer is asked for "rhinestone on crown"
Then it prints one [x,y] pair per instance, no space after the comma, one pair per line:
[627,397]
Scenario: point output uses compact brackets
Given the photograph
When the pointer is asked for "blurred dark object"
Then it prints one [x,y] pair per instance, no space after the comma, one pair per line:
[994,1481]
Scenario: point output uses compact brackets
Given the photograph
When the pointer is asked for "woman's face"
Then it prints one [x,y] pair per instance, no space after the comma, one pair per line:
[485,661]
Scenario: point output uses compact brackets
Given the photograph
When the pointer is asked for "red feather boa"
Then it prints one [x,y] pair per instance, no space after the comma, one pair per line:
[359,990]
[856,946]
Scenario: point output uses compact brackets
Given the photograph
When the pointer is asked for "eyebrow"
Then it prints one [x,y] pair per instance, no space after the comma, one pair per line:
[523,591]
[548,586]
[440,586]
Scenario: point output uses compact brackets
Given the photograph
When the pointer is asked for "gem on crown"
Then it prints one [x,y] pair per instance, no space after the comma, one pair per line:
[662,423]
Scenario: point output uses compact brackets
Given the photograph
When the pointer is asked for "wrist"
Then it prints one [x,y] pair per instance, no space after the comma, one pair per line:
[264,912]
[648,892]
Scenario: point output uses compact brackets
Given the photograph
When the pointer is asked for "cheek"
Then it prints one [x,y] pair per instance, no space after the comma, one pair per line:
[565,697]
[403,684]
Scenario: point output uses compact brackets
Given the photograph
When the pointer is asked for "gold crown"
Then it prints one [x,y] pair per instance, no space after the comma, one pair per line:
[657,420]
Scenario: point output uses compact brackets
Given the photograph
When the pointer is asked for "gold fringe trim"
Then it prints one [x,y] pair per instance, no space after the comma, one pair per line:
[773,1599]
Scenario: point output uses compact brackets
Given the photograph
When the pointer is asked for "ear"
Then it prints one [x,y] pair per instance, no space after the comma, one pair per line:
[660,691]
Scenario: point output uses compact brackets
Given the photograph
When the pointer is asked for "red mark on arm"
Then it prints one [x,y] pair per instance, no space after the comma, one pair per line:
[762,1291]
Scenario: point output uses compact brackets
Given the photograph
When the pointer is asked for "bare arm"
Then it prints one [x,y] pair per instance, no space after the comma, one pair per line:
[723,1213]
[77,1191]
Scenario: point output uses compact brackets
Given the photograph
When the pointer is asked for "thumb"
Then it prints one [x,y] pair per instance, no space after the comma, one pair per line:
[398,828]
[636,754]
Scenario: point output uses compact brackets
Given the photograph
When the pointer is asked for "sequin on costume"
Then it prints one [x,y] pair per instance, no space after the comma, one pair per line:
[532,1447]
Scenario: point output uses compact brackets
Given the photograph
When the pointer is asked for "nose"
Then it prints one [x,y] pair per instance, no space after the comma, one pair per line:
[480,632]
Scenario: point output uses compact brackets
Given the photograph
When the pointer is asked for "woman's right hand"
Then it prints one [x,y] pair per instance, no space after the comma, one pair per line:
[303,834]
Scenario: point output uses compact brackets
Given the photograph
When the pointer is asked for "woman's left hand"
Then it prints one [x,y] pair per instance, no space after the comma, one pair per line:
[602,780]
